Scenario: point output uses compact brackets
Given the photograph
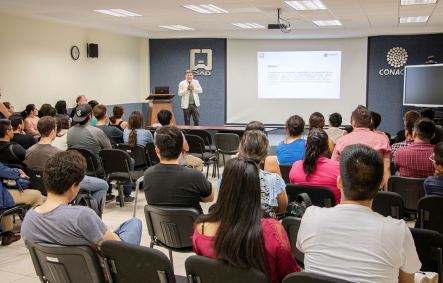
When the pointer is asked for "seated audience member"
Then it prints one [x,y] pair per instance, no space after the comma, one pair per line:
[80,100]
[93,103]
[116,119]
[334,132]
[376,121]
[408,115]
[50,111]
[10,152]
[169,184]
[292,149]
[270,164]
[316,169]
[408,133]
[434,184]
[10,107]
[30,118]
[255,145]
[71,225]
[361,122]
[164,117]
[430,114]
[350,241]
[113,133]
[317,121]
[4,113]
[135,133]
[235,231]
[413,160]
[25,140]
[41,112]
[61,107]
[61,141]
[38,154]
[11,197]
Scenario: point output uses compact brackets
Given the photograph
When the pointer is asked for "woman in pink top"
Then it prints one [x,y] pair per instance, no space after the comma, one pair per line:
[30,118]
[316,169]
[234,231]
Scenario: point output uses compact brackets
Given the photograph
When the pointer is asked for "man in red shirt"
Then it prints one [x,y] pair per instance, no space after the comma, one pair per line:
[361,121]
[413,160]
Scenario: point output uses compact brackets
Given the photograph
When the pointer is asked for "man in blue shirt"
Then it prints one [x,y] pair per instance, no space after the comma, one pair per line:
[434,185]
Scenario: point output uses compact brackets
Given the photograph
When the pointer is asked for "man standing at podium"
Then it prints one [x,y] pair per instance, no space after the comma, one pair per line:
[189,90]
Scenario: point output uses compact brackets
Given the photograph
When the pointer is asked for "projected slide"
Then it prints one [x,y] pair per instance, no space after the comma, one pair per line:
[299,74]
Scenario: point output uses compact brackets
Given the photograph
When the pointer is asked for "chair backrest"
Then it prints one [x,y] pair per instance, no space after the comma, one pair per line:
[285,169]
[392,168]
[36,177]
[430,213]
[17,166]
[66,263]
[120,257]
[202,269]
[429,245]
[196,144]
[309,277]
[115,160]
[410,189]
[292,225]
[205,135]
[389,204]
[320,196]
[227,143]
[91,160]
[152,155]
[137,152]
[171,226]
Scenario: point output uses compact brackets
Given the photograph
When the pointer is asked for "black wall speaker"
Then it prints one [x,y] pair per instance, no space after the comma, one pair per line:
[92,50]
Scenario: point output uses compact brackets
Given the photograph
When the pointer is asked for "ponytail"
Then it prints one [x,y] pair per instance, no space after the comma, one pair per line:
[113,119]
[132,140]
[317,143]
[118,112]
[28,109]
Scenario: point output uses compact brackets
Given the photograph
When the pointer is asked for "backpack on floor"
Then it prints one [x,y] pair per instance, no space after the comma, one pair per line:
[89,201]
[298,207]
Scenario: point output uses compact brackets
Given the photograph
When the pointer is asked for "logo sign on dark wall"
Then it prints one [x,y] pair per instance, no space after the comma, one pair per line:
[201,68]
[397,58]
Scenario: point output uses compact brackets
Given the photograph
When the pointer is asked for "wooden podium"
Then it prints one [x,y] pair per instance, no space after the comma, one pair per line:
[158,102]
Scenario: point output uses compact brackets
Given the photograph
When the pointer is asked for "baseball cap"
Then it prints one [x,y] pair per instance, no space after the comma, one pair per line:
[82,112]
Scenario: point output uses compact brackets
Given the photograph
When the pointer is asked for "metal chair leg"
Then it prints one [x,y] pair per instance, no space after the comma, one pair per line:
[170,258]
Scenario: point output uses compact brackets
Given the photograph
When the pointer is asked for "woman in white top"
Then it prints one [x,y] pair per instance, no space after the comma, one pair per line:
[60,140]
[334,133]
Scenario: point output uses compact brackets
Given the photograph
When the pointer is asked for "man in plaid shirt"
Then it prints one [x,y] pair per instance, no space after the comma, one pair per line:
[413,160]
[408,133]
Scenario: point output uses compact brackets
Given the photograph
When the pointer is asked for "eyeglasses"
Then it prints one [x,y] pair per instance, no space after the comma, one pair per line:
[430,158]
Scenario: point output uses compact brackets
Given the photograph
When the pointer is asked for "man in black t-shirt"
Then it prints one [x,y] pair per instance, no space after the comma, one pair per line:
[25,140]
[169,184]
[113,133]
[10,152]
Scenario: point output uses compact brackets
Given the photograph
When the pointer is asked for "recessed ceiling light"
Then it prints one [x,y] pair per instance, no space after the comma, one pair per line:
[306,5]
[118,13]
[176,27]
[327,23]
[206,9]
[248,25]
[406,20]
[417,2]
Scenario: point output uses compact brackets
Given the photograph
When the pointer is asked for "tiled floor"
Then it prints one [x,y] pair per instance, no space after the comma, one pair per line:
[16,264]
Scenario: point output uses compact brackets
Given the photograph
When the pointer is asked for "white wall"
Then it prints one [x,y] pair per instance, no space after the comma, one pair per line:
[36,65]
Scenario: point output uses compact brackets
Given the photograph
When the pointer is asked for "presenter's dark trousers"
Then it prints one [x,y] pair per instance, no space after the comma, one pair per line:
[192,110]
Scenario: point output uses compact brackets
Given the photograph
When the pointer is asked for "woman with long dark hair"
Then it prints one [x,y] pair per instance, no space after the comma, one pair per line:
[316,169]
[317,121]
[135,134]
[61,107]
[31,119]
[61,141]
[235,231]
[116,119]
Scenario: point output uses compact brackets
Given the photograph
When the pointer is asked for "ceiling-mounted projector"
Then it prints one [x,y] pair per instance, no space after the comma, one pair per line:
[282,25]
[278,26]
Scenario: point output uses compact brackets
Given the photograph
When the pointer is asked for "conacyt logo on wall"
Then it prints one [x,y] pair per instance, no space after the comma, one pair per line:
[397,58]
[201,63]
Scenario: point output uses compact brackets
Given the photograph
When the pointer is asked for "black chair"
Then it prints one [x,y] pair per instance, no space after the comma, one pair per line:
[197,149]
[36,178]
[120,257]
[429,245]
[410,189]
[226,144]
[430,214]
[16,166]
[389,204]
[292,225]
[152,131]
[117,163]
[200,269]
[93,163]
[285,169]
[320,196]
[19,209]
[67,264]
[207,137]
[171,227]
[309,277]
[151,154]
[138,153]
[392,168]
